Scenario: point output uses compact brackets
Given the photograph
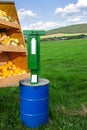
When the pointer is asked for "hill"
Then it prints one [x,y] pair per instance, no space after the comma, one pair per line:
[77,28]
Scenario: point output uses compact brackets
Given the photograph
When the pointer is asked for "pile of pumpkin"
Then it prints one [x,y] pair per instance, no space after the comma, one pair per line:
[7,40]
[4,16]
[10,69]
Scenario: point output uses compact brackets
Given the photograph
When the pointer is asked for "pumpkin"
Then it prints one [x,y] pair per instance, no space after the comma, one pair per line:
[10,69]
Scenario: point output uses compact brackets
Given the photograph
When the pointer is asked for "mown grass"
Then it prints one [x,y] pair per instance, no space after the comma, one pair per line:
[64,63]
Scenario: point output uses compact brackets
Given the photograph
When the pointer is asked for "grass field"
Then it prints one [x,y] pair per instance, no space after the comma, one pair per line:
[64,63]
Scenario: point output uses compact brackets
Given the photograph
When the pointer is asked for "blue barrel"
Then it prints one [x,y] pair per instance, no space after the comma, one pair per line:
[34,102]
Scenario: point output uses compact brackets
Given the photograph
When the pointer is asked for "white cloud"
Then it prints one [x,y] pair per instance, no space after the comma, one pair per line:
[81,4]
[72,8]
[74,19]
[73,13]
[42,26]
[22,13]
[59,10]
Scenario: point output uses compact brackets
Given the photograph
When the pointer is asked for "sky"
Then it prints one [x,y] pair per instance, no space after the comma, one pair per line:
[50,14]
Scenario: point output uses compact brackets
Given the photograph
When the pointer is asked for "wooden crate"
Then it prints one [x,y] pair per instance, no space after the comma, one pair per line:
[16,54]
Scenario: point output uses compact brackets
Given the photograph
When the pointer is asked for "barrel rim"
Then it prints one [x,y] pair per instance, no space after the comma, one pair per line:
[41,82]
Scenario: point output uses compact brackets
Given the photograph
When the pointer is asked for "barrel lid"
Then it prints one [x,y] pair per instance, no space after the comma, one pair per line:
[41,82]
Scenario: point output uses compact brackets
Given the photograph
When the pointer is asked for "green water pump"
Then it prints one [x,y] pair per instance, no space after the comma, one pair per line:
[33,47]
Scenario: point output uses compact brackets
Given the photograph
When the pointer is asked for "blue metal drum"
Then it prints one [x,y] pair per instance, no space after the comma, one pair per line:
[34,102]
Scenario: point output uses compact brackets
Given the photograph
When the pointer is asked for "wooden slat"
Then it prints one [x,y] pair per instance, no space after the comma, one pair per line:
[13,81]
[10,48]
[6,1]
[8,25]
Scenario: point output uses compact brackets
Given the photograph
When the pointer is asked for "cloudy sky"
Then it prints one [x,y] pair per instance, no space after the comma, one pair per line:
[50,14]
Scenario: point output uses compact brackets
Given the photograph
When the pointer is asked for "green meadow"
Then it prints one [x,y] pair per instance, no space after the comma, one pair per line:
[64,63]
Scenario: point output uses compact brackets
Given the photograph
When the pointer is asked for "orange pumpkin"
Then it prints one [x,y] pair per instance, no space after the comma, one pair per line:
[10,69]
